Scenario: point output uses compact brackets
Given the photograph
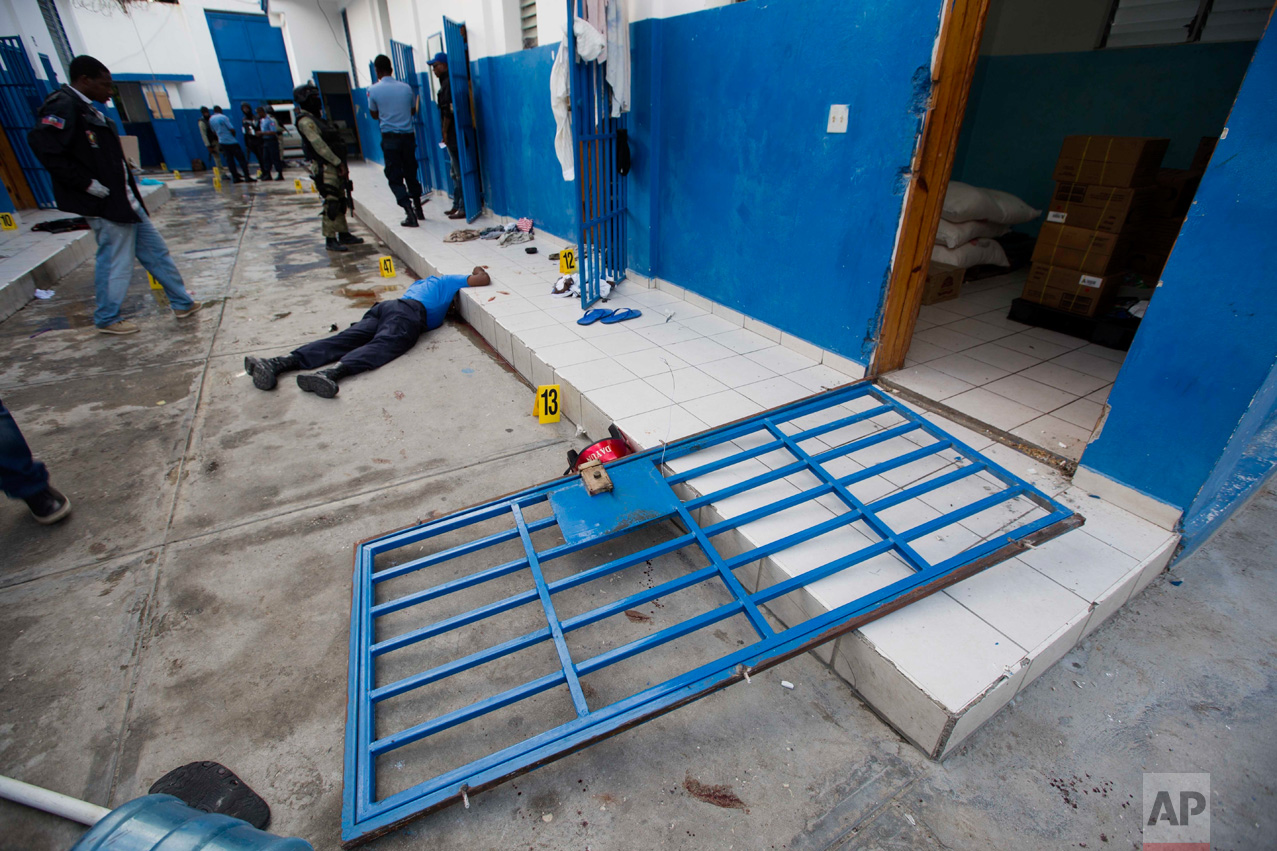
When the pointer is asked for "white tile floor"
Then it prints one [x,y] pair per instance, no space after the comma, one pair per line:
[1042,386]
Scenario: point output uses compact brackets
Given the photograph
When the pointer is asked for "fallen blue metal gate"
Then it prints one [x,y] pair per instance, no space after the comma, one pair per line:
[21,94]
[600,189]
[869,494]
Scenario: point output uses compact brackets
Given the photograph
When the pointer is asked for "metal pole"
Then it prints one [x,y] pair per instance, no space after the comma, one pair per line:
[51,802]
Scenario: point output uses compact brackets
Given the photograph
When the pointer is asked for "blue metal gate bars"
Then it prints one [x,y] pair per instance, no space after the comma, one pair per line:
[600,188]
[494,640]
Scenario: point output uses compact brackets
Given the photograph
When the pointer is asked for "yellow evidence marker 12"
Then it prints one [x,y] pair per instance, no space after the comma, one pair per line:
[546,406]
[387,265]
[567,261]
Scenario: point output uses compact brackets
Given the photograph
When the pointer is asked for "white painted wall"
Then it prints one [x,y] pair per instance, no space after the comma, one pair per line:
[313,37]
[22,18]
[1016,27]
[365,37]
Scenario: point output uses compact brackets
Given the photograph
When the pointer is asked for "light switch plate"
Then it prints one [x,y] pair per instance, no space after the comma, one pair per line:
[838,113]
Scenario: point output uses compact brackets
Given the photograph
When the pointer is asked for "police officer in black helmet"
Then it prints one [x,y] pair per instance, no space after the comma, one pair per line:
[325,150]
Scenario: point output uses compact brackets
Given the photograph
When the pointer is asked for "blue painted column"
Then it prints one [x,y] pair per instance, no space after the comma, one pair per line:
[1209,341]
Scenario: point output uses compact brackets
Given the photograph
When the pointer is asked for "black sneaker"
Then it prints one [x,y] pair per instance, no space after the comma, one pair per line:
[49,505]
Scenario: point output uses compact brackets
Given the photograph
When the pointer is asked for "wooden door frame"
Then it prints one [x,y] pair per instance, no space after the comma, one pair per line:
[14,180]
[957,50]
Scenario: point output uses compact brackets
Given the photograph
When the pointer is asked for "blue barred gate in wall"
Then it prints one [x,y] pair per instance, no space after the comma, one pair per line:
[599,188]
[21,94]
[463,114]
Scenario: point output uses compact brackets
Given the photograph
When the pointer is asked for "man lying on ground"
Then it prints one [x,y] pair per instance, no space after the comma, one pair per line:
[388,330]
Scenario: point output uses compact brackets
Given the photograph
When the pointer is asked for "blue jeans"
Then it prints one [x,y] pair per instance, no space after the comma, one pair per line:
[454,171]
[118,244]
[21,475]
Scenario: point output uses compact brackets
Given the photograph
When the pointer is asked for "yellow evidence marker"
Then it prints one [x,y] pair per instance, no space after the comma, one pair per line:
[567,261]
[160,296]
[7,222]
[387,265]
[546,406]
[297,184]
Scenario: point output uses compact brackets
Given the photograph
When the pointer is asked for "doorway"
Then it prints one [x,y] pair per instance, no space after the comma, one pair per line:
[1027,349]
[339,106]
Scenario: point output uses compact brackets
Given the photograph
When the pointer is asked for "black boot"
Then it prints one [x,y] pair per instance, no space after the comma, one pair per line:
[416,208]
[323,383]
[348,238]
[332,244]
[266,371]
[411,220]
[49,505]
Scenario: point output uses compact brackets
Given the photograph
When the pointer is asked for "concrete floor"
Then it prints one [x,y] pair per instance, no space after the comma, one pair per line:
[196,604]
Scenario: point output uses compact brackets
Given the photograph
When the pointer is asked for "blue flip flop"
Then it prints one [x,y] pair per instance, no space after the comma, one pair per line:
[592,316]
[621,315]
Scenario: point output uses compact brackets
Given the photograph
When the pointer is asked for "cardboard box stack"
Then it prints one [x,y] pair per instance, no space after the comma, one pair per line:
[1106,187]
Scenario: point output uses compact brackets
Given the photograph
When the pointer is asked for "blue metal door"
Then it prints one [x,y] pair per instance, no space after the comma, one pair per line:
[405,65]
[600,189]
[252,57]
[495,640]
[454,37]
[21,94]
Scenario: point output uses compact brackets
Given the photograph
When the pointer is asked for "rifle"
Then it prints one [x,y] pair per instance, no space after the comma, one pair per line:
[350,195]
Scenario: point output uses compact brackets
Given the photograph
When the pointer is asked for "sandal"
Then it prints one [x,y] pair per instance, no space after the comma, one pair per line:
[621,315]
[592,316]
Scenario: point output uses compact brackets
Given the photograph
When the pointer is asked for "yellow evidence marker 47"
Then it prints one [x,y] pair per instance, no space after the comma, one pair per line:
[546,407]
[387,265]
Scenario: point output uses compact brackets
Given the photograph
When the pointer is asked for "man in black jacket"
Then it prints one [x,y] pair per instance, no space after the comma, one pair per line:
[79,147]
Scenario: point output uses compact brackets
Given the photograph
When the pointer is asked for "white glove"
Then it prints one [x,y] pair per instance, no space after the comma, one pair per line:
[97,190]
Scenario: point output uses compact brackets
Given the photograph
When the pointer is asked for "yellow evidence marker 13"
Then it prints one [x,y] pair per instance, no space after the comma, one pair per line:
[546,408]
[387,265]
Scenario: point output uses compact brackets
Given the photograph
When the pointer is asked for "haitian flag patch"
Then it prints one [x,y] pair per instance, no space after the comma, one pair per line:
[53,121]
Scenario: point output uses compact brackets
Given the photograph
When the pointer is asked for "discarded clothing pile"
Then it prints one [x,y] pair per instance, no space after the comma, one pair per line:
[491,233]
[514,238]
[463,235]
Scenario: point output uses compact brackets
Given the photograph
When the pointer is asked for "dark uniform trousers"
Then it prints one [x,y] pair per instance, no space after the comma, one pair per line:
[399,151]
[388,330]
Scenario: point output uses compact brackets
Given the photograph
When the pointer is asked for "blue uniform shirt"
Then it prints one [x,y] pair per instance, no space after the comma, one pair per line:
[436,294]
[392,100]
[222,126]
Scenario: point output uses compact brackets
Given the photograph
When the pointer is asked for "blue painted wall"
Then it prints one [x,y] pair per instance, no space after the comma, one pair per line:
[1249,461]
[1022,107]
[6,203]
[367,127]
[755,205]
[1209,341]
[521,174]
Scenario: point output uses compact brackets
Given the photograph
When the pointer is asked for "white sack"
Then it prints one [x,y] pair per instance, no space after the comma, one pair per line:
[964,203]
[952,234]
[977,252]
